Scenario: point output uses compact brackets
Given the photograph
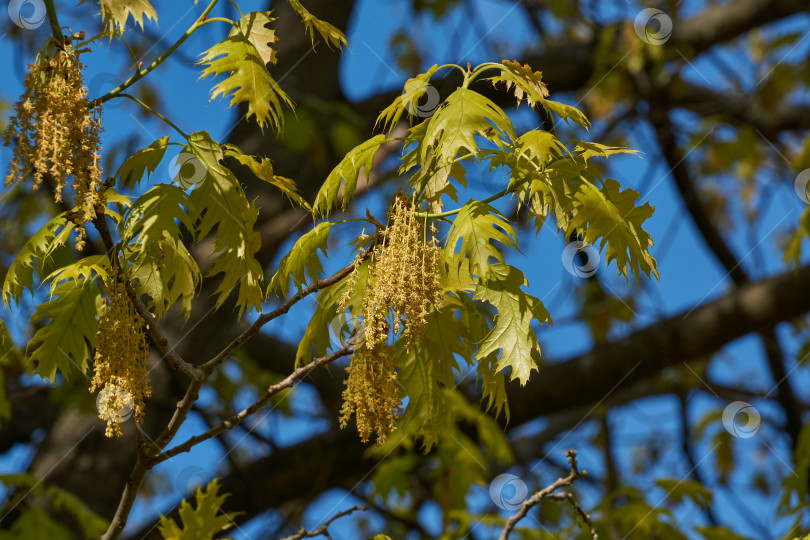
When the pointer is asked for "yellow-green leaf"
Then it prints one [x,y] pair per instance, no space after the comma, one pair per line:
[512,332]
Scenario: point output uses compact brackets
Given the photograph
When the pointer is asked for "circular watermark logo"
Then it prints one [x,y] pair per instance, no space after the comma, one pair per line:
[186,170]
[580,250]
[28,14]
[191,478]
[508,492]
[115,404]
[428,102]
[653,26]
[733,421]
[347,331]
[800,185]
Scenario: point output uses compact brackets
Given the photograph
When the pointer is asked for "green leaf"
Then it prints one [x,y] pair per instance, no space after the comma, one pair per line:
[493,383]
[33,255]
[528,84]
[166,272]
[429,367]
[157,212]
[345,175]
[679,491]
[475,225]
[223,205]
[302,260]
[34,522]
[200,523]
[116,13]
[247,78]
[142,162]
[611,214]
[589,150]
[254,26]
[66,330]
[263,169]
[83,269]
[566,112]
[512,332]
[316,340]
[330,34]
[453,128]
[412,92]
[91,524]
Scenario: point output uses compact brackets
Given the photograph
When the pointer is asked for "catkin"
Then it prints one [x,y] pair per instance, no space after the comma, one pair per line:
[403,283]
[55,133]
[120,362]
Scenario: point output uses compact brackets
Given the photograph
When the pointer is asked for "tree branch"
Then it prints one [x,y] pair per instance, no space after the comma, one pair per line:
[548,493]
[240,417]
[322,530]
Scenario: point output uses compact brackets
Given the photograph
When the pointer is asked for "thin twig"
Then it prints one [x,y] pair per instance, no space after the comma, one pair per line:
[322,530]
[207,368]
[241,416]
[548,493]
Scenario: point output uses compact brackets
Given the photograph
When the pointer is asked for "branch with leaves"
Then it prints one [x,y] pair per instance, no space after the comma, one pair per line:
[418,283]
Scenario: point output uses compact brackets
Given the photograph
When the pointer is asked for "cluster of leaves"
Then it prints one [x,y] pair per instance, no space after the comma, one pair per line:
[488,321]
[35,521]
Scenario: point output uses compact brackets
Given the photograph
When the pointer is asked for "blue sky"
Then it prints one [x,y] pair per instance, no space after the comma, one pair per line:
[689,274]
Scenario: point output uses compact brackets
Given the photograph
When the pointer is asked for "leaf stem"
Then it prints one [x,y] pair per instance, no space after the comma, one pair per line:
[141,73]
[488,200]
[153,111]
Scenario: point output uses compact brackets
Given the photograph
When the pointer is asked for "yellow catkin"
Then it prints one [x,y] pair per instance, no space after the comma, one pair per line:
[403,279]
[372,393]
[120,363]
[403,283]
[55,133]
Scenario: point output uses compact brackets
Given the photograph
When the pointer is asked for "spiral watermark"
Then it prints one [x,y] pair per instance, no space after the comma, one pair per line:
[346,331]
[428,101]
[186,170]
[800,185]
[645,26]
[508,492]
[191,478]
[114,404]
[730,419]
[576,249]
[28,14]
[101,84]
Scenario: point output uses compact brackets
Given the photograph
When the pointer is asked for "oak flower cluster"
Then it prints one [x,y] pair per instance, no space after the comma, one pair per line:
[403,283]
[56,134]
[120,363]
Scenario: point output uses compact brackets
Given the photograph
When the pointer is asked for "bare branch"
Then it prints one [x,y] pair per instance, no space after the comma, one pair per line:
[548,493]
[240,417]
[322,530]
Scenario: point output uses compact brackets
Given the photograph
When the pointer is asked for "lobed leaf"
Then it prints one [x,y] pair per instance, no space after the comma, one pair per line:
[117,12]
[611,214]
[512,332]
[246,76]
[142,162]
[263,169]
[476,225]
[332,35]
[32,257]
[223,206]
[205,521]
[302,260]
[66,331]
[345,176]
